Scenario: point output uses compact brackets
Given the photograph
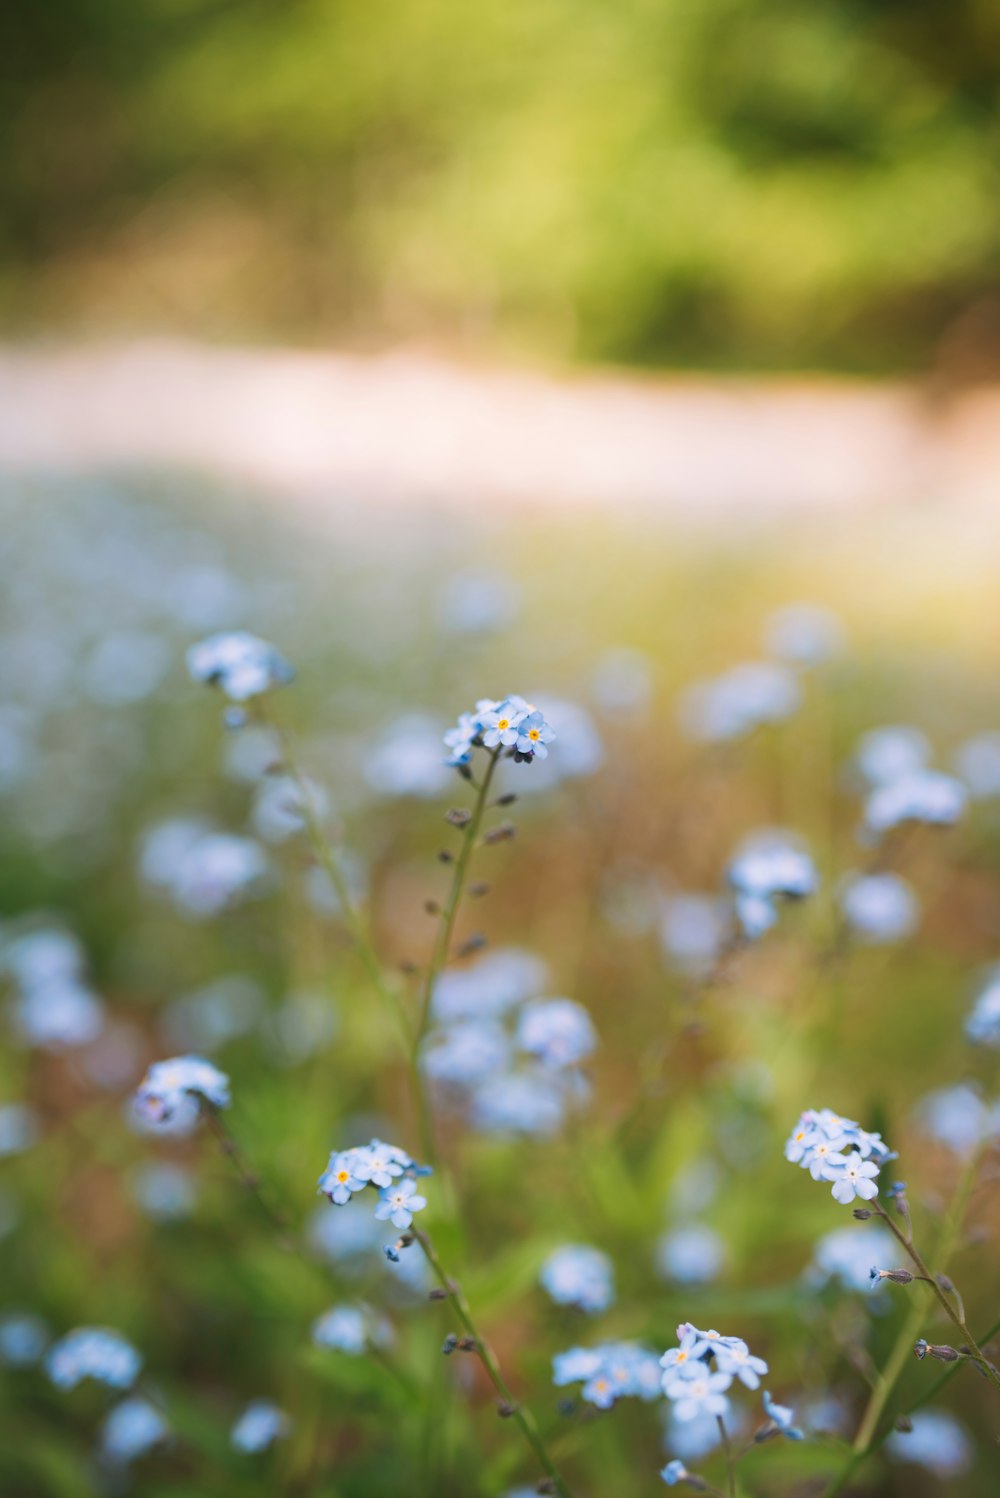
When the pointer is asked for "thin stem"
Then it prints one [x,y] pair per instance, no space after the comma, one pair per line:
[449,913]
[865,1442]
[363,944]
[330,864]
[727,1448]
[950,1311]
[249,1178]
[522,1417]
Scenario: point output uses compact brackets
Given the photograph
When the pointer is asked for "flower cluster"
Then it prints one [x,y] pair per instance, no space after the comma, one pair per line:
[93,1352]
[54,1007]
[741,699]
[472,1054]
[578,1275]
[203,871]
[240,664]
[608,1372]
[923,796]
[386,1168]
[689,1380]
[510,724]
[769,866]
[351,1329]
[171,1086]
[838,1150]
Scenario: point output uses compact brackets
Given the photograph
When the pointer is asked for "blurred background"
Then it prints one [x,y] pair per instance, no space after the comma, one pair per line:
[549,348]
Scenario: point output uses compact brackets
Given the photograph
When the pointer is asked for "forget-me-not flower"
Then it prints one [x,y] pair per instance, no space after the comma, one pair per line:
[398,1203]
[168,1084]
[93,1352]
[239,663]
[260,1425]
[534,735]
[131,1429]
[782,1419]
[578,1275]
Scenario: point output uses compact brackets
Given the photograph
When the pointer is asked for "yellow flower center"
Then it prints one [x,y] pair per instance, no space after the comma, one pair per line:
[503,723]
[533,733]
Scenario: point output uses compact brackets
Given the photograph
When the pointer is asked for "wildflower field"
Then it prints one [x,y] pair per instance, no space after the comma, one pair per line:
[494,1006]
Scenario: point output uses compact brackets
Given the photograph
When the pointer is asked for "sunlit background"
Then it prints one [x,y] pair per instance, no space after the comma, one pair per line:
[550,348]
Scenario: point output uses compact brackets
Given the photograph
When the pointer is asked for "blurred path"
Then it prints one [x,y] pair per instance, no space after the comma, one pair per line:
[406,427]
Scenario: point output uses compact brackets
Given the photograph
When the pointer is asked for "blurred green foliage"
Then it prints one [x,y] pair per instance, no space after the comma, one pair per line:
[744,183]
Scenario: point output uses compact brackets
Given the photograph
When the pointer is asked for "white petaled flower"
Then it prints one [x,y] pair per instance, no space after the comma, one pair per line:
[242,665]
[698,1393]
[851,1176]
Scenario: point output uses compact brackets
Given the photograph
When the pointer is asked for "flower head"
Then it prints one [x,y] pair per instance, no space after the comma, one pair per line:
[168,1085]
[533,736]
[577,1275]
[341,1179]
[558,1031]
[93,1352]
[398,1203]
[239,663]
[259,1426]
[131,1429]
[781,1418]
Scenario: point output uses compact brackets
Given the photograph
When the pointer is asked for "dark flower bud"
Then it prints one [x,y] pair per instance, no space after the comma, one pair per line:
[477,891]
[449,1345]
[458,816]
[475,943]
[432,907]
[920,1349]
[445,857]
[861,1213]
[468,1344]
[943,1353]
[437,1293]
[506,1411]
[904,1424]
[507,799]
[464,771]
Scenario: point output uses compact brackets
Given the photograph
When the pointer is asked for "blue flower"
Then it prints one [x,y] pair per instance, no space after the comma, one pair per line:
[399,1202]
[578,1275]
[978,763]
[884,755]
[743,698]
[611,1371]
[936,1441]
[782,1418]
[467,1053]
[982,1026]
[959,1118]
[240,664]
[879,907]
[577,1365]
[501,722]
[340,1179]
[93,1352]
[23,1338]
[259,1426]
[691,1255]
[737,1359]
[380,1164]
[461,740]
[852,1176]
[845,1254]
[169,1084]
[674,1472]
[771,863]
[533,734]
[131,1429]
[697,1392]
[924,796]
[558,1031]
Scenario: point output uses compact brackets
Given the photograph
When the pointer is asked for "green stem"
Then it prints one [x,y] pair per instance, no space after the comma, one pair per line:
[950,1311]
[449,913]
[522,1417]
[363,945]
[865,1442]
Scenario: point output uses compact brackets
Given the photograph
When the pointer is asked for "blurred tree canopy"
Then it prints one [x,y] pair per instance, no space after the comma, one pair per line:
[716,182]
